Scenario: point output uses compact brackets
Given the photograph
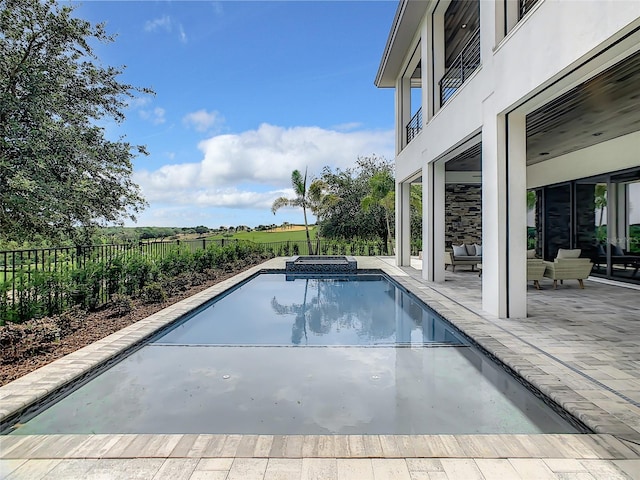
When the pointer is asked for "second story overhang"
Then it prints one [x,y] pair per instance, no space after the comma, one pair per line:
[407,21]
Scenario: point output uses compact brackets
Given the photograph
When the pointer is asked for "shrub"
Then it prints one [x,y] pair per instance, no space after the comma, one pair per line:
[71,320]
[178,260]
[86,282]
[197,278]
[139,271]
[154,293]
[121,305]
[20,340]
[173,285]
[114,272]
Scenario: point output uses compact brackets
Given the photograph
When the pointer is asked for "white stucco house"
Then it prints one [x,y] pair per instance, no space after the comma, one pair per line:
[497,98]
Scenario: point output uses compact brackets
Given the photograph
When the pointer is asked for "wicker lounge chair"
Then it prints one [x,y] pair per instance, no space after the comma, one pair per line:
[568,266]
[535,271]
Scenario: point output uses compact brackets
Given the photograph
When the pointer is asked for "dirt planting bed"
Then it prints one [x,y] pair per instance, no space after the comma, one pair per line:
[27,347]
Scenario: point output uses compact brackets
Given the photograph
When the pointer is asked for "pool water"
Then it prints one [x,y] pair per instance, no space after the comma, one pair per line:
[305,355]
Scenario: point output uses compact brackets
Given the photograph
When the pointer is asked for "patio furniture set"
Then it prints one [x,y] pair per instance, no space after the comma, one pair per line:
[566,266]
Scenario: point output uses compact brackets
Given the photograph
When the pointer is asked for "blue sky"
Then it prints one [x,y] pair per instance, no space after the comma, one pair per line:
[245,93]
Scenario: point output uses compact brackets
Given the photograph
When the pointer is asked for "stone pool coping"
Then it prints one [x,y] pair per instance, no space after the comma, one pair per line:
[612,441]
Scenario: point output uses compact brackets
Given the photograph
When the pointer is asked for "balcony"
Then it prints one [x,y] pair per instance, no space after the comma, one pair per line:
[467,61]
[525,6]
[414,126]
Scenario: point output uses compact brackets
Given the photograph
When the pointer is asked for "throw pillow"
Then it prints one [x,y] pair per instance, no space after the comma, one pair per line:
[567,253]
[616,251]
[531,253]
[478,249]
[459,250]
[471,250]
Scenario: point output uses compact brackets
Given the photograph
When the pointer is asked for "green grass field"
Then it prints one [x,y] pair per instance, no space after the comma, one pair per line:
[268,237]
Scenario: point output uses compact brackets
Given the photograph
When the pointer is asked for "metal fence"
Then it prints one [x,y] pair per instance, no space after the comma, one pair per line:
[414,126]
[467,61]
[526,6]
[34,282]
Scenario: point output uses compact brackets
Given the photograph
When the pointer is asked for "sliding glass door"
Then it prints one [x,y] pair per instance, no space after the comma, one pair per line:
[599,215]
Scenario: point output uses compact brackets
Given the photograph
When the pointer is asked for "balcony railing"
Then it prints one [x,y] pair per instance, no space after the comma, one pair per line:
[414,126]
[525,6]
[467,61]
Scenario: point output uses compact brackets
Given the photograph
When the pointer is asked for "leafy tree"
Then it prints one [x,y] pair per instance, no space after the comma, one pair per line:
[600,199]
[531,199]
[382,187]
[345,218]
[305,199]
[58,172]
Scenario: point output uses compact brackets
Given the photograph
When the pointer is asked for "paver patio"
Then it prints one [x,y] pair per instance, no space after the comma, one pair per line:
[580,347]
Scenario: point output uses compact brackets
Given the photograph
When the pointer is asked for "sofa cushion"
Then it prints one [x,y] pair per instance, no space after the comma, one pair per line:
[459,250]
[478,249]
[616,251]
[566,253]
[531,253]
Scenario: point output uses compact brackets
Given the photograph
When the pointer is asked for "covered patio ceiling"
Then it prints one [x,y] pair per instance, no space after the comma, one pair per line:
[601,109]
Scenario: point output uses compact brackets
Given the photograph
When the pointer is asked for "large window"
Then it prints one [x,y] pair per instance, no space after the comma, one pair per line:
[624,225]
[599,215]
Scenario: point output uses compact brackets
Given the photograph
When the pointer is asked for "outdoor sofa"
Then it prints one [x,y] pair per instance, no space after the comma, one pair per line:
[463,255]
[618,257]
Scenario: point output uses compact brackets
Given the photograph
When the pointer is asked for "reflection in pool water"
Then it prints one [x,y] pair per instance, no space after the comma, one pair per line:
[279,310]
[366,359]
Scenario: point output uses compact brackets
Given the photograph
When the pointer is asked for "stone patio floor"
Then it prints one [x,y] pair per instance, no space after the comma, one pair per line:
[580,347]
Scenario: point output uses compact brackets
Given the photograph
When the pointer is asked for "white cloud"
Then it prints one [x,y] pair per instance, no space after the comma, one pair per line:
[217,8]
[183,35]
[155,116]
[346,127]
[269,154]
[139,102]
[251,169]
[202,120]
[163,23]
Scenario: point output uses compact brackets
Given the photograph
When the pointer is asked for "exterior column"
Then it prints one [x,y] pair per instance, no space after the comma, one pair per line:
[437,67]
[403,111]
[433,176]
[403,224]
[504,220]
[427,72]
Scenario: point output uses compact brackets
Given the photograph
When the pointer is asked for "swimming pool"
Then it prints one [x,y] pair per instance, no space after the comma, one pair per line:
[304,354]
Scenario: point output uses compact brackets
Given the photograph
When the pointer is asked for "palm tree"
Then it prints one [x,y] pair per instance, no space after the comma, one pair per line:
[306,199]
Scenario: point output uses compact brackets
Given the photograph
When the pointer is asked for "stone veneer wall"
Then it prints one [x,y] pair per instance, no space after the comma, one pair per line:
[463,214]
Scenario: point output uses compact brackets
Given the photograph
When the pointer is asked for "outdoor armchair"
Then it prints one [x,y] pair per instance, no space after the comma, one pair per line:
[535,271]
[568,269]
